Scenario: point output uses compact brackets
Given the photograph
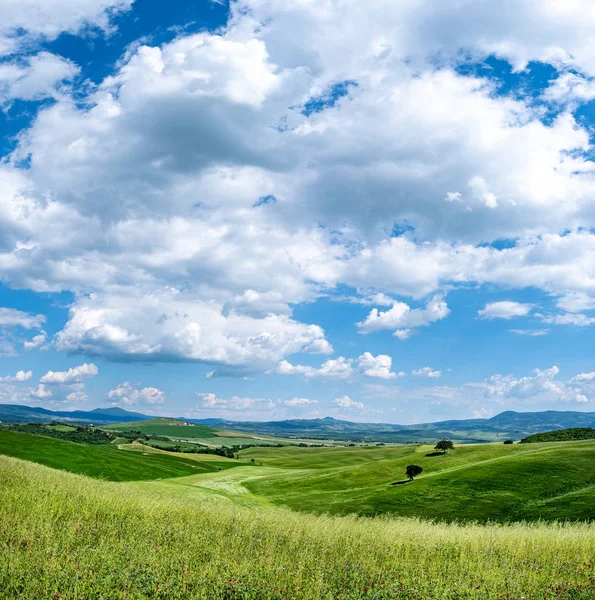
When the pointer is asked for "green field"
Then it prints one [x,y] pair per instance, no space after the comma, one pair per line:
[292,522]
[112,463]
[70,537]
[166,427]
[483,482]
[197,434]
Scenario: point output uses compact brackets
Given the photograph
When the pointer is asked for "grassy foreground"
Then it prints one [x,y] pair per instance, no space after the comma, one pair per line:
[66,536]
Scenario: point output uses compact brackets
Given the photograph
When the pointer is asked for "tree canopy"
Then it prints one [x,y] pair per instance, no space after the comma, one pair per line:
[412,471]
[444,446]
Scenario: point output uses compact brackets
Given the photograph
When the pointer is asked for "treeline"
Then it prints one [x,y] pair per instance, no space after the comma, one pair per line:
[80,434]
[223,451]
[561,435]
[134,435]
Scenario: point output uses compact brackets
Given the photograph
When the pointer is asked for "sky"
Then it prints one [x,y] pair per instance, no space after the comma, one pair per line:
[378,211]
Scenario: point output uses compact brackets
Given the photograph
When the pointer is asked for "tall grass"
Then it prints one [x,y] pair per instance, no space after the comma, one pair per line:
[70,537]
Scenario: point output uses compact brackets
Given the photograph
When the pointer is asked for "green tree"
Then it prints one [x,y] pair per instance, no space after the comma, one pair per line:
[444,446]
[412,471]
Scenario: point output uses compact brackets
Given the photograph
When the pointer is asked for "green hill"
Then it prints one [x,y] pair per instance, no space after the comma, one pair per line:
[105,462]
[483,482]
[561,435]
[67,536]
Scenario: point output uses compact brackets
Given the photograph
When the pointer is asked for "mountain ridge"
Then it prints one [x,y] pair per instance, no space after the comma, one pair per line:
[506,424]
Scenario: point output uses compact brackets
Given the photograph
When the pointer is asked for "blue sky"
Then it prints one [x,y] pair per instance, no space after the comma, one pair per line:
[270,209]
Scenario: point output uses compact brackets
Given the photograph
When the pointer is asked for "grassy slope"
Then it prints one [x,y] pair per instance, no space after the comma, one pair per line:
[482,482]
[475,482]
[79,538]
[106,462]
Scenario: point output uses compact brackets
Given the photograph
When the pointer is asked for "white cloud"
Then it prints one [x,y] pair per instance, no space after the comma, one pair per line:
[235,403]
[28,21]
[530,332]
[427,372]
[140,197]
[19,376]
[339,368]
[77,396]
[505,310]
[402,317]
[36,342]
[575,302]
[41,392]
[10,317]
[581,377]
[570,88]
[542,384]
[345,403]
[342,368]
[300,402]
[35,77]
[376,366]
[73,375]
[576,319]
[128,394]
[173,325]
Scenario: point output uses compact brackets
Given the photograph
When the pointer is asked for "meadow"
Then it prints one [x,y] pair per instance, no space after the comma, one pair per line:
[128,521]
[71,537]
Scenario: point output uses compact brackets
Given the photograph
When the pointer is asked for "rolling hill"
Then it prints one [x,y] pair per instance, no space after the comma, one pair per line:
[68,536]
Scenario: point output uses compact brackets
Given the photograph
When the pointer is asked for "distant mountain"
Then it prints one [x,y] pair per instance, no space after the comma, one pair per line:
[509,424]
[15,413]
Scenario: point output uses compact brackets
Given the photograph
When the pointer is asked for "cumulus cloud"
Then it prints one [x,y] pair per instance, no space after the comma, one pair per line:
[345,403]
[339,368]
[505,309]
[19,376]
[402,318]
[427,372]
[37,341]
[235,403]
[77,396]
[542,383]
[35,77]
[212,183]
[376,366]
[128,394]
[169,325]
[11,317]
[41,392]
[342,368]
[73,375]
[298,402]
[29,21]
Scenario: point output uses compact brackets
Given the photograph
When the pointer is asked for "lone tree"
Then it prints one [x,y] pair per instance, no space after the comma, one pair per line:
[444,446]
[412,471]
